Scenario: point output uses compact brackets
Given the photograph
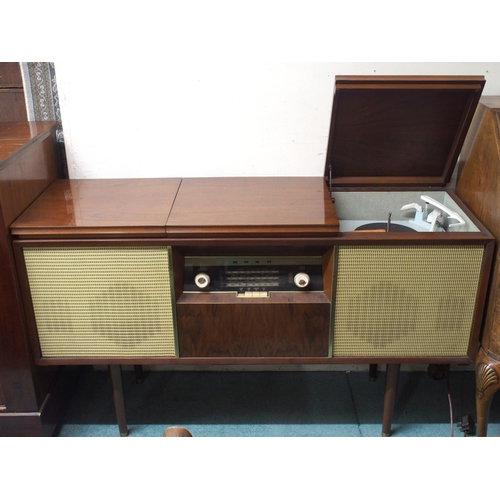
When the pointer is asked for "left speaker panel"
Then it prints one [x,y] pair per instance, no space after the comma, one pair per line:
[109,302]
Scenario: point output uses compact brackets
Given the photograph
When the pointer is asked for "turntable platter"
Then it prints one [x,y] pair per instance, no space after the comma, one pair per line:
[395,228]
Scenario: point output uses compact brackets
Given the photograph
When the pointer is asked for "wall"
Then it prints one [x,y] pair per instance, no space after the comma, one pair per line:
[211,119]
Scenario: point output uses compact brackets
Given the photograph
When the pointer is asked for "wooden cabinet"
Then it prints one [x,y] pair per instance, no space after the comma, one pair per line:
[382,295]
[12,100]
[28,393]
[479,187]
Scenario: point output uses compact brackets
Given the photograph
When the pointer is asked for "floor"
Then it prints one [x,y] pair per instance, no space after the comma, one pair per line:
[274,404]
[303,424]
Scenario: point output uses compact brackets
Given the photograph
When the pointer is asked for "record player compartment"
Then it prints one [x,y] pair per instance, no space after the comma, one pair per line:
[357,208]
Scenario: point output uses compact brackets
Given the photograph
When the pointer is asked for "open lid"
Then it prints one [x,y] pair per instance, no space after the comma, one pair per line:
[399,130]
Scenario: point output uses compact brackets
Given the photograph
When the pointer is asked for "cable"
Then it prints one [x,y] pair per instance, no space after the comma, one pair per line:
[452,433]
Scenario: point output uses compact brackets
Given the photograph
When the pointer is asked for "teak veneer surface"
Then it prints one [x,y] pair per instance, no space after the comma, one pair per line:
[479,187]
[88,207]
[239,206]
[187,207]
[14,135]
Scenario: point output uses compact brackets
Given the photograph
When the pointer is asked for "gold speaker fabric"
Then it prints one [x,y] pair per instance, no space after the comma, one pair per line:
[405,301]
[102,302]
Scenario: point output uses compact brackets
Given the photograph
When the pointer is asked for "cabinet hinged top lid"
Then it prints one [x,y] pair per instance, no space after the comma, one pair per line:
[399,131]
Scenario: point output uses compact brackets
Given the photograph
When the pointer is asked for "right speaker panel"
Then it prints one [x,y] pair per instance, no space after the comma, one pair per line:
[415,301]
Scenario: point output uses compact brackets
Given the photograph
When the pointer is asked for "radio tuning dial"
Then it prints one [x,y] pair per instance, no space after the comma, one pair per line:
[301,280]
[202,280]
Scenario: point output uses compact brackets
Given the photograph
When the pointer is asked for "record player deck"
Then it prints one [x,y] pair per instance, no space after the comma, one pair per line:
[404,212]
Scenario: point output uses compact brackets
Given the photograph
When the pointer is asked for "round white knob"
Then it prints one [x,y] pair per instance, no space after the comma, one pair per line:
[301,280]
[202,280]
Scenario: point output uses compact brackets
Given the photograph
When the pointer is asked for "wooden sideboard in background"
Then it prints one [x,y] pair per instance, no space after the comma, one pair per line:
[29,162]
[12,100]
[479,187]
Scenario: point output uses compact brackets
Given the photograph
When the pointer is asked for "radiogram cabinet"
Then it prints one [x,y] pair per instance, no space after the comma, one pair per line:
[376,262]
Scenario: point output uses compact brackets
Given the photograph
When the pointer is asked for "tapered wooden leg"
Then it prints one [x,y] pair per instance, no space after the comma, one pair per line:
[115,372]
[487,384]
[391,385]
[373,373]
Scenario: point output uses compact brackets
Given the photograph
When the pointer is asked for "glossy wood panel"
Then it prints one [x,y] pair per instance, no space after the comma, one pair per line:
[23,131]
[26,173]
[279,206]
[104,207]
[220,325]
[23,176]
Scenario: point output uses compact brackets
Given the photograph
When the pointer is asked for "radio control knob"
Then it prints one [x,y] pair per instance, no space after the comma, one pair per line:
[301,280]
[202,280]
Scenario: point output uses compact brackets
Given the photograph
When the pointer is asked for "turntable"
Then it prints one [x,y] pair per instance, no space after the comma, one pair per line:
[429,216]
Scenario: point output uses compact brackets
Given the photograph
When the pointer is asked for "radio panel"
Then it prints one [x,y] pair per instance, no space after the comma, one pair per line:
[247,275]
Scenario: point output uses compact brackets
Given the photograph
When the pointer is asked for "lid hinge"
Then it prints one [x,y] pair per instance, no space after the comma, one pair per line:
[330,182]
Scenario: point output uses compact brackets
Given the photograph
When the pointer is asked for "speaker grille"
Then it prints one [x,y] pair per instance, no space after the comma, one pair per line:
[102,302]
[405,301]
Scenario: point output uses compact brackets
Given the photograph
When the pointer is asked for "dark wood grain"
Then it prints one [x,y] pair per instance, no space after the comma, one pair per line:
[399,130]
[12,100]
[251,360]
[279,206]
[479,187]
[10,75]
[12,105]
[285,325]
